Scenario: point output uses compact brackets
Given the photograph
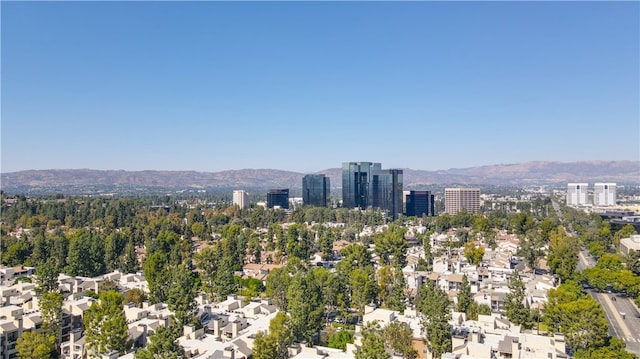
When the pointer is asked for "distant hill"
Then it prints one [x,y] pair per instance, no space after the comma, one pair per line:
[528,173]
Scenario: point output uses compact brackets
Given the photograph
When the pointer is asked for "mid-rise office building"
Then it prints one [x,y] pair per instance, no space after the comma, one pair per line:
[278,197]
[577,194]
[604,194]
[420,203]
[315,190]
[356,183]
[241,199]
[386,188]
[458,199]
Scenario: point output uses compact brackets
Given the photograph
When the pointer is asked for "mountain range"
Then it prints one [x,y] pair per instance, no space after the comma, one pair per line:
[520,174]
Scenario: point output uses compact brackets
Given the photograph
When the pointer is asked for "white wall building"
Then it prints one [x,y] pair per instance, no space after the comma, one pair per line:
[604,194]
[241,198]
[577,194]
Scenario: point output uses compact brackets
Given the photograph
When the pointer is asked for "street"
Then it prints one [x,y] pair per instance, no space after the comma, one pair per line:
[627,329]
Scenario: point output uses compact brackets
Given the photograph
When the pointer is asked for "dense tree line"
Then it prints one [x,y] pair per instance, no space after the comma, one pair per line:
[91,236]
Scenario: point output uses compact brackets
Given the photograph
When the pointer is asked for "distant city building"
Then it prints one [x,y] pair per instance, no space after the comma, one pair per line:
[458,199]
[420,203]
[315,190]
[386,191]
[356,183]
[241,199]
[278,197]
[577,194]
[604,194]
[631,244]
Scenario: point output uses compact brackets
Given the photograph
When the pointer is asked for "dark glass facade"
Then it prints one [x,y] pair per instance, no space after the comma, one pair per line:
[356,183]
[420,203]
[387,191]
[315,190]
[278,197]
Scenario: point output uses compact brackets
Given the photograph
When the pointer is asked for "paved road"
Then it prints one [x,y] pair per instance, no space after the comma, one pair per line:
[627,329]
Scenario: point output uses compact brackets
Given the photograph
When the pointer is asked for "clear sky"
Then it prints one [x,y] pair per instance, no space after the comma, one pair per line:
[305,86]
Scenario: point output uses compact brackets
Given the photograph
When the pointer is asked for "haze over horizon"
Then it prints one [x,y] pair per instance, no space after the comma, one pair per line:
[305,86]
[310,171]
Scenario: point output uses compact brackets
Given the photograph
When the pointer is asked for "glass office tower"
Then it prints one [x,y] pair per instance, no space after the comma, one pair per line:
[387,191]
[420,203]
[315,190]
[278,197]
[356,188]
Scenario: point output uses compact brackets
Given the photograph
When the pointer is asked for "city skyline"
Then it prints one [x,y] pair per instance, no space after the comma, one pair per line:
[212,86]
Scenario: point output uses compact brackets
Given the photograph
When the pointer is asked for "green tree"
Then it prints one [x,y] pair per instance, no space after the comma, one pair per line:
[362,288]
[181,295]
[113,249]
[274,345]
[265,346]
[473,254]
[17,253]
[304,297]
[105,325]
[277,285]
[33,345]
[47,276]
[522,223]
[157,274]
[566,292]
[391,246]
[340,339]
[207,262]
[531,250]
[373,344]
[563,254]
[583,324]
[625,232]
[610,261]
[398,337]
[464,296]
[397,298]
[51,311]
[615,350]
[130,258]
[224,282]
[515,308]
[578,316]
[433,306]
[135,296]
[86,254]
[162,345]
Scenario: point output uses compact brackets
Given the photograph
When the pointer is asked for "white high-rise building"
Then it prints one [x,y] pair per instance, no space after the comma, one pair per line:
[577,194]
[241,198]
[604,194]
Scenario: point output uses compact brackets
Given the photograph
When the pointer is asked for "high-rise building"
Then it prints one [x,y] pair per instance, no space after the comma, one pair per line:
[241,199]
[458,199]
[315,190]
[356,183]
[420,203]
[577,194]
[386,191]
[604,194]
[278,197]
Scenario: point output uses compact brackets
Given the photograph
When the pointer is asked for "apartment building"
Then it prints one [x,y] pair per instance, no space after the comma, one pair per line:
[458,199]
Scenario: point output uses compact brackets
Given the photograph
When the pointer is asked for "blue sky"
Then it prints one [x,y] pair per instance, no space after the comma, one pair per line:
[305,86]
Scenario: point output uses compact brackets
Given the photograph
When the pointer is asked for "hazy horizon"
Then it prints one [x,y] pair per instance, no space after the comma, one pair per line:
[314,171]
